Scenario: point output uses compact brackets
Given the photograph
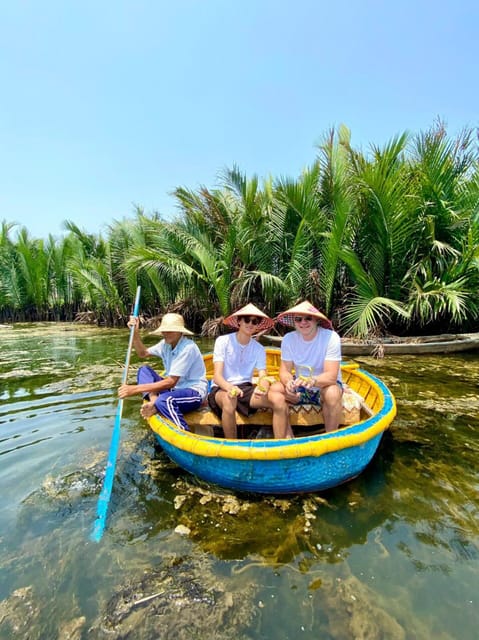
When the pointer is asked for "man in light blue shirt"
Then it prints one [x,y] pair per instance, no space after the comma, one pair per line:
[183,386]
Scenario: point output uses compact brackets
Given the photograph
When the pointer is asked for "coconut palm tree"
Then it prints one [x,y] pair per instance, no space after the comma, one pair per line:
[92,269]
[10,295]
[381,241]
[185,267]
[125,237]
[442,280]
[381,227]
[31,278]
[260,223]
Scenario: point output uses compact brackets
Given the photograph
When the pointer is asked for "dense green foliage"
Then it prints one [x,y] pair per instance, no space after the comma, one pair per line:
[386,241]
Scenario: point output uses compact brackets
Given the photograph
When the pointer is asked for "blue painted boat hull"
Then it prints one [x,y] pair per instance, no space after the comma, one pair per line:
[277,477]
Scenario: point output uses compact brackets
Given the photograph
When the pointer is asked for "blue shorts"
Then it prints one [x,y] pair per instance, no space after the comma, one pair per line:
[312,396]
[309,396]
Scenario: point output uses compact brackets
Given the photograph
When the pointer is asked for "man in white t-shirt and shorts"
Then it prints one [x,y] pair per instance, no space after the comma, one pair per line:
[310,367]
[235,358]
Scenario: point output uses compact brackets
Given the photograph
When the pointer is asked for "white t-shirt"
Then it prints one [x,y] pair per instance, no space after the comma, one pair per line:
[239,360]
[308,356]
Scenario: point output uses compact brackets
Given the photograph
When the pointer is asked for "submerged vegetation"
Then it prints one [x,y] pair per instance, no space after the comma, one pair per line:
[384,242]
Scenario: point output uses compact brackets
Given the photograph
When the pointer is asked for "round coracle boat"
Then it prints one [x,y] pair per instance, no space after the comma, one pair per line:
[312,461]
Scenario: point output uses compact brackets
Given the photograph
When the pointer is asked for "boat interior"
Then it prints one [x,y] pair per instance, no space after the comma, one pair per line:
[360,401]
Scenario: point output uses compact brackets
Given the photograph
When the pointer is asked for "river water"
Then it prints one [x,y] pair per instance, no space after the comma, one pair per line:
[392,554]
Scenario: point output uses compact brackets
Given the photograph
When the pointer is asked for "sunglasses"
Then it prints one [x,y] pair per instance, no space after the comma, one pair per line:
[248,319]
[299,319]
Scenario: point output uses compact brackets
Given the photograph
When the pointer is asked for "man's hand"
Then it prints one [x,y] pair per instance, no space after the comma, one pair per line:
[133,322]
[306,382]
[127,390]
[291,394]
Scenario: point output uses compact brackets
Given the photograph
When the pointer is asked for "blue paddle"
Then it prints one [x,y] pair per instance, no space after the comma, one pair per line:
[105,494]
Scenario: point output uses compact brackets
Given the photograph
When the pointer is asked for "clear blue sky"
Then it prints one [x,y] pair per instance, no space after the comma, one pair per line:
[106,104]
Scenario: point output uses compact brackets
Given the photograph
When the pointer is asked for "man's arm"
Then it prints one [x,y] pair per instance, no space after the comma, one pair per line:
[287,378]
[328,377]
[127,390]
[286,372]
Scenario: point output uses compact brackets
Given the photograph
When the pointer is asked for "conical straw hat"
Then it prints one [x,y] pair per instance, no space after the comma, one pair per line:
[249,310]
[304,309]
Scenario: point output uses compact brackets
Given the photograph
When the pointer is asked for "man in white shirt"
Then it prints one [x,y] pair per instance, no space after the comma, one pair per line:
[310,367]
[235,357]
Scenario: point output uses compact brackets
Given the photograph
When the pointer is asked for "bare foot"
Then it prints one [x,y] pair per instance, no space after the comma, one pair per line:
[148,409]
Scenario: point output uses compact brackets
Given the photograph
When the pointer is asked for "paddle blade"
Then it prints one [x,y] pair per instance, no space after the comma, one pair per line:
[105,494]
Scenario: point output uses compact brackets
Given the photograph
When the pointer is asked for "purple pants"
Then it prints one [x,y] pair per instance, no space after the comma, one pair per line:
[172,403]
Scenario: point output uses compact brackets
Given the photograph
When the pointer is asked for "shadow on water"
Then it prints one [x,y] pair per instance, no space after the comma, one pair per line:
[392,554]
